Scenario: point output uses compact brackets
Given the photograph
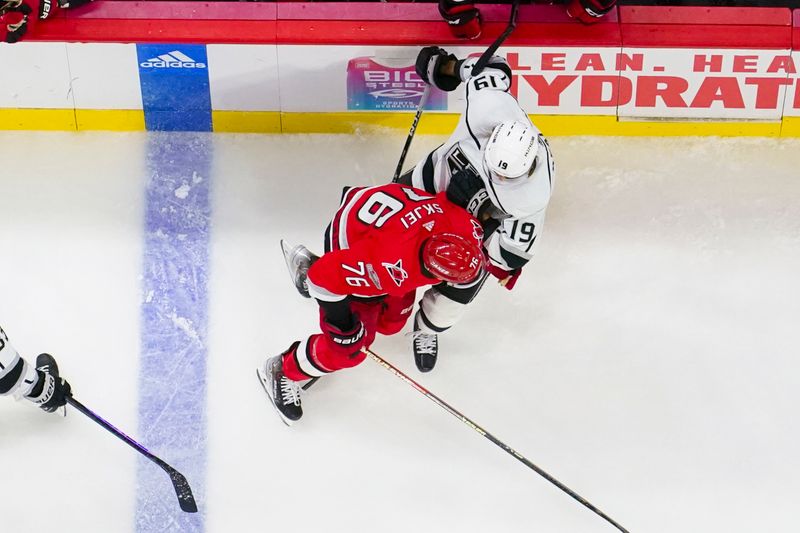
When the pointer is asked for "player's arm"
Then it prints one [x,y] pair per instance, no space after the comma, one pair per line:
[511,246]
[446,72]
[489,101]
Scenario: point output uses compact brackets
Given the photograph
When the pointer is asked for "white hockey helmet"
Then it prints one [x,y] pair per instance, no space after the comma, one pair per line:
[511,151]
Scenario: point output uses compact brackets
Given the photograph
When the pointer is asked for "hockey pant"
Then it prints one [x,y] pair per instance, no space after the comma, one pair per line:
[318,355]
[17,377]
[443,305]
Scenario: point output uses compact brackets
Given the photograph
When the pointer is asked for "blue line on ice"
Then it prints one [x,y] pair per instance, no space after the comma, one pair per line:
[174,315]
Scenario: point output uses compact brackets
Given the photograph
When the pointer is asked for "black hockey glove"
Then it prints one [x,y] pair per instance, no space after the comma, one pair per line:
[17,6]
[347,341]
[466,189]
[13,20]
[51,391]
[14,32]
[429,65]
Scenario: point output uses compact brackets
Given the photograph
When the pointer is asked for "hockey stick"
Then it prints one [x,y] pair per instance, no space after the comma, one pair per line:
[422,101]
[310,383]
[182,488]
[487,55]
[479,66]
[444,405]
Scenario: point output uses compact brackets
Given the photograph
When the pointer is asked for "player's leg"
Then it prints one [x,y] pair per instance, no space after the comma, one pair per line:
[395,312]
[441,307]
[282,376]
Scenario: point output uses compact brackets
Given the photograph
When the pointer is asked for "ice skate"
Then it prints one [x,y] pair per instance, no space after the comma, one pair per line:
[426,348]
[298,260]
[283,392]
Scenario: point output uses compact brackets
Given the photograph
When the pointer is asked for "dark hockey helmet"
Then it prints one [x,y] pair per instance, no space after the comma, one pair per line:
[452,258]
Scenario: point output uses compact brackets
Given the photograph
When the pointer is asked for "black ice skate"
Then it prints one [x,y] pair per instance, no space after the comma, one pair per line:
[426,348]
[282,391]
[298,261]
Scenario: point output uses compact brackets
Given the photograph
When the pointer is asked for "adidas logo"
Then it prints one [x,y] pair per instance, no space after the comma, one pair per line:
[429,225]
[174,59]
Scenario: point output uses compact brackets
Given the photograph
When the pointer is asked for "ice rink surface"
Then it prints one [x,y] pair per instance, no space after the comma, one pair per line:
[647,358]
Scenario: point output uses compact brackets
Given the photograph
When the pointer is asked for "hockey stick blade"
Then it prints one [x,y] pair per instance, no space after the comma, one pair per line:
[497,442]
[179,482]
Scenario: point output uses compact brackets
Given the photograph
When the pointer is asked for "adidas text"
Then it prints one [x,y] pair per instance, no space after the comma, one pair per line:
[174,59]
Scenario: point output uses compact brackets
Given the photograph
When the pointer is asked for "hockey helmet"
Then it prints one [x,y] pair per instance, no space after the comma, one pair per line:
[511,152]
[452,258]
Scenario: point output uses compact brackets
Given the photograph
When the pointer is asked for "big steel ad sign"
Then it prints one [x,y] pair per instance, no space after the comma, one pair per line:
[657,83]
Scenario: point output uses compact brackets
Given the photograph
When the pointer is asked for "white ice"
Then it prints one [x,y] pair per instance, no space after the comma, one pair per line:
[647,357]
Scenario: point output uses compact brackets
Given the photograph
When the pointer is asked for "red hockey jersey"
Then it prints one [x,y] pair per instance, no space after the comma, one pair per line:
[373,245]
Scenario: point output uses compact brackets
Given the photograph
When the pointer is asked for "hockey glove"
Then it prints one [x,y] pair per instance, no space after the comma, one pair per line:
[463,18]
[466,189]
[14,31]
[51,391]
[506,278]
[430,61]
[348,340]
[13,20]
[589,11]
[15,6]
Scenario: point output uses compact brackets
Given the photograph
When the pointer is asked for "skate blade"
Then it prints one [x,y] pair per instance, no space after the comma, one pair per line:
[265,385]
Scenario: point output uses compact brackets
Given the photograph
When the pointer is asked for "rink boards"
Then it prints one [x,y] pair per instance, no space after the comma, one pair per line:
[650,71]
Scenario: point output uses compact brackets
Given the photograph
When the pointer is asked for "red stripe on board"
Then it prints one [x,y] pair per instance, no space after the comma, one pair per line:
[396,33]
[377,11]
[154,31]
[368,32]
[392,12]
[569,33]
[211,22]
[100,9]
[733,16]
[683,27]
[314,32]
[686,36]
[796,29]
[254,22]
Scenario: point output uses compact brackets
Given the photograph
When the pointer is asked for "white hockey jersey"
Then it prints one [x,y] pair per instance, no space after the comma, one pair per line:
[522,202]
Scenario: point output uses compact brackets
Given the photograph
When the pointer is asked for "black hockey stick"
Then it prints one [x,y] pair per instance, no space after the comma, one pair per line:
[479,66]
[444,405]
[182,488]
[422,101]
[487,55]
